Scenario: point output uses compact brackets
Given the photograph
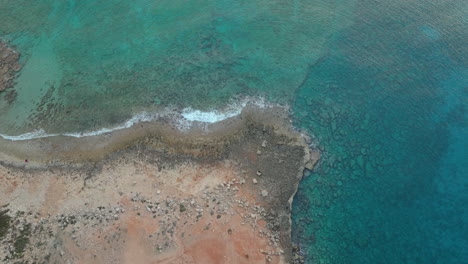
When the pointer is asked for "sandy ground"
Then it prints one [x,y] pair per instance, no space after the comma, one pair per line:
[144,204]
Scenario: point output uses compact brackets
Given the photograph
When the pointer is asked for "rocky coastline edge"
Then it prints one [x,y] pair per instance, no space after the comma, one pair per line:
[217,193]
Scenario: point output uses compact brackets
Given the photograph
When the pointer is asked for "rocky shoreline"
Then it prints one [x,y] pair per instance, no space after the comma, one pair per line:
[219,193]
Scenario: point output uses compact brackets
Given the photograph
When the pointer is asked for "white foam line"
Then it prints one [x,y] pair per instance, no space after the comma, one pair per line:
[31,135]
[141,117]
[187,119]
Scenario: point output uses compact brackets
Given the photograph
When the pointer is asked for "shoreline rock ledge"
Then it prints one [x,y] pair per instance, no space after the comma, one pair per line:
[218,193]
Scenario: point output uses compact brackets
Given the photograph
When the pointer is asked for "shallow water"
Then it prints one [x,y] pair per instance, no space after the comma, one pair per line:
[90,64]
[382,85]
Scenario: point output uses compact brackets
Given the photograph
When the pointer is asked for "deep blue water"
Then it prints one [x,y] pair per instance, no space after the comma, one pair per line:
[388,108]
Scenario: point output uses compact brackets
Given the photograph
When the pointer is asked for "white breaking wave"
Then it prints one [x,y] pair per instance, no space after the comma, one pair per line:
[214,116]
[193,117]
[208,117]
[185,120]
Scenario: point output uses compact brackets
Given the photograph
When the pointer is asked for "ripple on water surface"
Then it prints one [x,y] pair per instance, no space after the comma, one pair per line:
[388,108]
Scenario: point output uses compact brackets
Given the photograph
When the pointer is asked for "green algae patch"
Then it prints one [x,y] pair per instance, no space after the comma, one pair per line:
[20,236]
[4,223]
[22,241]
[182,208]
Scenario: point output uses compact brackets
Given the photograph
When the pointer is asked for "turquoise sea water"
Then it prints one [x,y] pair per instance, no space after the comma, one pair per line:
[382,85]
[94,63]
[388,107]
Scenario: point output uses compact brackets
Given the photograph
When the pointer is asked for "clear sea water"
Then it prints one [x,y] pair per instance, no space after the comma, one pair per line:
[382,85]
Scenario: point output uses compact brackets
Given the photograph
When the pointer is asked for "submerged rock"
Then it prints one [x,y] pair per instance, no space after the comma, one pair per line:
[9,66]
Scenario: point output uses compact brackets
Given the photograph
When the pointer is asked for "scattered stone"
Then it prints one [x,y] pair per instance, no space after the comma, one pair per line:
[309,165]
[264,143]
[259,173]
[264,193]
[254,181]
